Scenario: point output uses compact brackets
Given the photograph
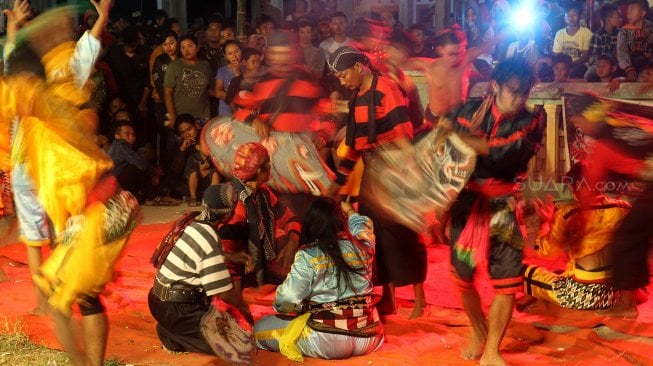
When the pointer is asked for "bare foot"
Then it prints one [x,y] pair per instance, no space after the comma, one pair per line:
[386,307]
[618,312]
[492,360]
[625,308]
[420,310]
[38,311]
[473,350]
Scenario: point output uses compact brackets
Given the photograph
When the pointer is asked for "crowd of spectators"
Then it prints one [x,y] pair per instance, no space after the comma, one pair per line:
[156,79]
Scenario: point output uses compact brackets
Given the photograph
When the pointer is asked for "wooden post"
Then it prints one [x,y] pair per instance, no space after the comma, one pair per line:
[240,21]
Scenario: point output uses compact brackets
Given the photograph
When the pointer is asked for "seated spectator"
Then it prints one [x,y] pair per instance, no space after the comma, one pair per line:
[604,42]
[199,172]
[332,271]
[246,80]
[561,67]
[122,115]
[134,173]
[191,274]
[574,41]
[544,69]
[635,40]
[606,69]
[523,48]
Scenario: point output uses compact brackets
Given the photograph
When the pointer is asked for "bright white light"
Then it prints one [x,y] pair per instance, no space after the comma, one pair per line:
[523,17]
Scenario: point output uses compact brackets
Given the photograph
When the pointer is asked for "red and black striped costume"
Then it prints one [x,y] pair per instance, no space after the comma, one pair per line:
[368,129]
[234,234]
[400,257]
[293,111]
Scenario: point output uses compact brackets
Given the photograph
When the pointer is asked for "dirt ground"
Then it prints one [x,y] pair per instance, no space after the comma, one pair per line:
[541,334]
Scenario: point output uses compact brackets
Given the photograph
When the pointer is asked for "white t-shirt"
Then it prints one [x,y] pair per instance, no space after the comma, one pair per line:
[572,45]
[330,46]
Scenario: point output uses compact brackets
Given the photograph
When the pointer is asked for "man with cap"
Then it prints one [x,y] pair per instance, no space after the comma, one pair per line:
[193,272]
[261,226]
[400,257]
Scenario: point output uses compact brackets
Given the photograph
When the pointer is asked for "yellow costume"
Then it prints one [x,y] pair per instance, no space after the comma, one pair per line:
[579,235]
[54,138]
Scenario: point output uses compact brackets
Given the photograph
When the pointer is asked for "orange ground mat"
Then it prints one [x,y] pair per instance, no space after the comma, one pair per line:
[541,334]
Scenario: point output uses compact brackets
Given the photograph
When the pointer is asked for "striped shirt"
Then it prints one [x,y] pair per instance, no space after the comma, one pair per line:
[392,122]
[292,112]
[196,260]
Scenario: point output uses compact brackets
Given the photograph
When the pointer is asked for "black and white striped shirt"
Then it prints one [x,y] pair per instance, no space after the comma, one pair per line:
[196,260]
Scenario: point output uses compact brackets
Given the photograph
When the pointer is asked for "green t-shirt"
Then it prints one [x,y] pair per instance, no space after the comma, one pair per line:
[191,85]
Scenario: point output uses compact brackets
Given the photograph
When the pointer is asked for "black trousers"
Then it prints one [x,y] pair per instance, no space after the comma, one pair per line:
[178,325]
[631,242]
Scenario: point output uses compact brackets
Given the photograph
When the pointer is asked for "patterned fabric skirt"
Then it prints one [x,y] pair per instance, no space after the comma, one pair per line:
[567,292]
[82,262]
[584,296]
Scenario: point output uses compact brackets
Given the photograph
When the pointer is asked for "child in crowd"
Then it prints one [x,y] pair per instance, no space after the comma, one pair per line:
[562,65]
[251,61]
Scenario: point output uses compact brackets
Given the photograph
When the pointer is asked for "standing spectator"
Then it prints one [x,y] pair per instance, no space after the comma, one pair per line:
[420,48]
[265,25]
[187,83]
[301,12]
[574,40]
[271,11]
[246,80]
[635,40]
[604,42]
[223,77]
[170,52]
[323,30]
[228,33]
[338,35]
[159,27]
[213,51]
[313,56]
[318,10]
[129,62]
[257,42]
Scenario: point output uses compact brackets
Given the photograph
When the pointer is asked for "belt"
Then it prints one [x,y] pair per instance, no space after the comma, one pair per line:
[178,294]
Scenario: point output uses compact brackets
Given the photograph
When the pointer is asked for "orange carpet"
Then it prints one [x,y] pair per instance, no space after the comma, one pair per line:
[542,334]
